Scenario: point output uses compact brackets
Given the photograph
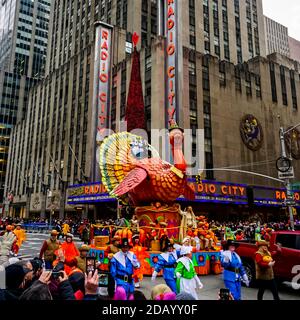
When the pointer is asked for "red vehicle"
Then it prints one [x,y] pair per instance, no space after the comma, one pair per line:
[285,245]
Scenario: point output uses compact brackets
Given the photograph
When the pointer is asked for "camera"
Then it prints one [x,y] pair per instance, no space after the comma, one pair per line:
[224,294]
[56,274]
[58,271]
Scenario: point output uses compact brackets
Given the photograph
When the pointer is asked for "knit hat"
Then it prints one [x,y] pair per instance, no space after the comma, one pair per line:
[54,233]
[166,296]
[184,296]
[14,275]
[160,290]
[36,264]
[69,235]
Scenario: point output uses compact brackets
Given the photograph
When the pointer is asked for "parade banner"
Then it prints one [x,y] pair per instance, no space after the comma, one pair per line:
[172,76]
[102,87]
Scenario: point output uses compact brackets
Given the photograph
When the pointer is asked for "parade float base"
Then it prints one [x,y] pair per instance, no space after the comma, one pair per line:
[205,262]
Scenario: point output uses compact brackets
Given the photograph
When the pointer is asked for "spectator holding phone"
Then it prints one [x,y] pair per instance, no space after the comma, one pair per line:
[234,272]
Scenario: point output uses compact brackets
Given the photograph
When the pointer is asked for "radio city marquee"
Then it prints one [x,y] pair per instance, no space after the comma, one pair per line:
[215,192]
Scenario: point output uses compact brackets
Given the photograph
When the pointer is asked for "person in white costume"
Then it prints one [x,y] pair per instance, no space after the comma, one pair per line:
[187,279]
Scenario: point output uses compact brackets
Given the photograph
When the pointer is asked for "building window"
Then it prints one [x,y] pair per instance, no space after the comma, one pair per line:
[273,82]
[293,88]
[283,86]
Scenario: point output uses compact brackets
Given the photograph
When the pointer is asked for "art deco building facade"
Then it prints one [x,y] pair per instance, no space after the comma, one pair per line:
[52,145]
[23,47]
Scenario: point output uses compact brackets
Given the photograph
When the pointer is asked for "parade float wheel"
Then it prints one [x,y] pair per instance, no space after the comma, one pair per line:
[250,271]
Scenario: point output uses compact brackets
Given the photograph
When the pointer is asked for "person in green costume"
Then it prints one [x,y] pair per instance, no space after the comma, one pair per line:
[187,279]
[258,233]
[229,235]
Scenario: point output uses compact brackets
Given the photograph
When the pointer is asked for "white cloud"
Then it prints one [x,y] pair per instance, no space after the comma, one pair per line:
[285,12]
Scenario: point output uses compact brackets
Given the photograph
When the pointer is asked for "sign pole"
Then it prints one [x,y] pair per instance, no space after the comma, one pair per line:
[289,193]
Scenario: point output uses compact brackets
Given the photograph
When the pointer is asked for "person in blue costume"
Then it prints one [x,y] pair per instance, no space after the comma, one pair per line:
[122,266]
[234,272]
[167,263]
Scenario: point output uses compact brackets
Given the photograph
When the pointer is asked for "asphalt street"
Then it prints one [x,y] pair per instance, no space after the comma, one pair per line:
[212,283]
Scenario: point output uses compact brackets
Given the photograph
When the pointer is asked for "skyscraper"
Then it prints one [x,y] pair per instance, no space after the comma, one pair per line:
[277,37]
[23,47]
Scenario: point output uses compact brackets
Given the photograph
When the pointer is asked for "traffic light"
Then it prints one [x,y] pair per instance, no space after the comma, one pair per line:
[295,212]
[250,196]
[199,179]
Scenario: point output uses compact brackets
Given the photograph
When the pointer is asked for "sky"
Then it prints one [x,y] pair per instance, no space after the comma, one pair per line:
[286,12]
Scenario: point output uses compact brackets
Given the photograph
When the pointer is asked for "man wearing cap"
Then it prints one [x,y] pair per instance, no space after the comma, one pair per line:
[122,267]
[167,263]
[264,269]
[81,260]
[234,272]
[6,243]
[48,249]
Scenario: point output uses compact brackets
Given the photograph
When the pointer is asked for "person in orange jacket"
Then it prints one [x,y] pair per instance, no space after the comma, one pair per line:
[21,237]
[68,252]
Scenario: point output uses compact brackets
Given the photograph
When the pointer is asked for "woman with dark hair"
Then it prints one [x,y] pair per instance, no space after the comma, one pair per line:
[38,291]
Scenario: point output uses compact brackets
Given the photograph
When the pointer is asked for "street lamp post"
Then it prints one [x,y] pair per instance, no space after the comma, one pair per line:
[29,191]
[45,188]
[62,200]
[287,182]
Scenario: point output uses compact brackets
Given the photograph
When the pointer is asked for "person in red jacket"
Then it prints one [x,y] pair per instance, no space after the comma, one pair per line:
[264,270]
[68,252]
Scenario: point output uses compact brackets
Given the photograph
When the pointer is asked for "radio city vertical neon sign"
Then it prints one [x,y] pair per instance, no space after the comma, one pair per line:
[102,90]
[105,37]
[171,58]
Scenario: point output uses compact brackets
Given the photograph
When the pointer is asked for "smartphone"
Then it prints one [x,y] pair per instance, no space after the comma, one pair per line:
[56,274]
[90,264]
[224,294]
[103,279]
